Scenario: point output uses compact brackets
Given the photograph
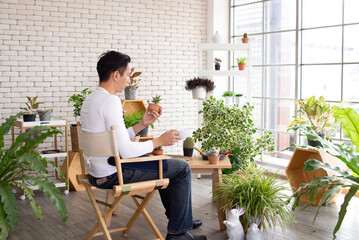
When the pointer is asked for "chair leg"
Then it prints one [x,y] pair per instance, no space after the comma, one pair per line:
[109,200]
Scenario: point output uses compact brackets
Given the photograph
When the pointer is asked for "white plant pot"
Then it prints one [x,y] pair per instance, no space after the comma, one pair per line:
[199,93]
[228,100]
[238,100]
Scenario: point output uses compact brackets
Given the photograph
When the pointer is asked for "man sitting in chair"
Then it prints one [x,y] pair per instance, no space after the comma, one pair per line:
[103,109]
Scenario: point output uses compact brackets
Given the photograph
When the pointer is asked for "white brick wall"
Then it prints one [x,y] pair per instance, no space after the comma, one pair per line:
[50,49]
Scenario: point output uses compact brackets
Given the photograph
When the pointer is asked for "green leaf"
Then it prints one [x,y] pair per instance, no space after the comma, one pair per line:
[4,227]
[29,193]
[9,204]
[53,193]
[5,128]
[349,119]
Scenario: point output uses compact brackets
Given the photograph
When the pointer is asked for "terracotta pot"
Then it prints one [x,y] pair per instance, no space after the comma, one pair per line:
[213,159]
[241,66]
[245,40]
[153,107]
[157,152]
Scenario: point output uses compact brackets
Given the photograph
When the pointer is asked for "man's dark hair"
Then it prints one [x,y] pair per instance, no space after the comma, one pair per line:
[111,61]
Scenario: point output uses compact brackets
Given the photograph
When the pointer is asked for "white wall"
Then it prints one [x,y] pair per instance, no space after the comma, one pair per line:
[50,49]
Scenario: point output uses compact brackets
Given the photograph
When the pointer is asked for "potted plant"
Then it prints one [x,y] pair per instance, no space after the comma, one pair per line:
[213,156]
[217,63]
[188,146]
[18,163]
[314,113]
[135,118]
[199,87]
[340,178]
[30,116]
[157,151]
[131,89]
[242,63]
[237,97]
[77,99]
[45,115]
[245,38]
[153,105]
[232,129]
[262,195]
[228,95]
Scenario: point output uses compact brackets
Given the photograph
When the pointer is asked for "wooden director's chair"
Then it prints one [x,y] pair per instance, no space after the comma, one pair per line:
[104,144]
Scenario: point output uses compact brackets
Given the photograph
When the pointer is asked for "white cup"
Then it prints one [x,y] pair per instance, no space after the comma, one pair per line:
[183,133]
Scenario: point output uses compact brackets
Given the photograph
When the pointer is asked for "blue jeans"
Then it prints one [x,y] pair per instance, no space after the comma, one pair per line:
[176,198]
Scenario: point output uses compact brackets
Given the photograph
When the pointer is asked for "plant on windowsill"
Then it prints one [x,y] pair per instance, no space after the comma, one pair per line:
[199,86]
[217,64]
[245,38]
[242,63]
[317,114]
[131,89]
[348,154]
[232,129]
[15,164]
[228,95]
[77,99]
[32,105]
[238,98]
[262,194]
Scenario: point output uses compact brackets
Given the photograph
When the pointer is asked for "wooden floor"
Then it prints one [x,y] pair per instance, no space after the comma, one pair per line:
[81,219]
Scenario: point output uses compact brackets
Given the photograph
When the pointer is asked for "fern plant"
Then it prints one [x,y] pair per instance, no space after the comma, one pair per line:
[15,162]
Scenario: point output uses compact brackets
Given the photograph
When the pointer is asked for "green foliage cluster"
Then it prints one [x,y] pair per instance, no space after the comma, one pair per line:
[242,60]
[134,118]
[262,195]
[78,99]
[228,94]
[349,119]
[15,162]
[315,113]
[188,142]
[31,105]
[232,129]
[156,99]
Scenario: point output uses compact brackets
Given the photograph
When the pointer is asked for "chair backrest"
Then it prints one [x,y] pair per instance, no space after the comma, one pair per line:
[100,144]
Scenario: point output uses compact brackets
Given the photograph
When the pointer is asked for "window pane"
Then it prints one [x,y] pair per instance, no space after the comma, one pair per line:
[351,82]
[257,112]
[322,45]
[280,48]
[248,19]
[280,81]
[237,2]
[351,43]
[283,141]
[322,81]
[321,13]
[351,11]
[278,114]
[256,44]
[279,15]
[256,82]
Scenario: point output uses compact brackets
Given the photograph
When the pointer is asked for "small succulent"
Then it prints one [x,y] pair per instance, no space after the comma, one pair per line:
[32,105]
[156,99]
[158,148]
[188,142]
[239,95]
[213,152]
[228,94]
[242,60]
[245,35]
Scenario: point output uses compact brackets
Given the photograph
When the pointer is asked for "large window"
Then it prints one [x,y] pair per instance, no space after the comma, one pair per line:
[300,48]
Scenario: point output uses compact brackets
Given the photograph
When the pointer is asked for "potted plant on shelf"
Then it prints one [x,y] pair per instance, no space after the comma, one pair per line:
[263,195]
[153,105]
[131,89]
[188,146]
[228,95]
[19,162]
[245,38]
[314,113]
[32,105]
[348,154]
[217,64]
[157,151]
[199,87]
[237,97]
[45,115]
[232,129]
[213,155]
[242,63]
[77,99]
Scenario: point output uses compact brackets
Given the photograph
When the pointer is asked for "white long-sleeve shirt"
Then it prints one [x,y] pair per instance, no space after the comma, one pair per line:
[99,112]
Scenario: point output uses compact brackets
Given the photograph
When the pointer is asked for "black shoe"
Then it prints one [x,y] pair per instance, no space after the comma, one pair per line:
[197,224]
[185,236]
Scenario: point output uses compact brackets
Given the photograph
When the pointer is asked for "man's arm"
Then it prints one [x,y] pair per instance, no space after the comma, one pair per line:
[147,119]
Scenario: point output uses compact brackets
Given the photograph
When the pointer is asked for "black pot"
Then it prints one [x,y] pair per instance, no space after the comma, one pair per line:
[143,132]
[188,152]
[315,143]
[217,67]
[29,117]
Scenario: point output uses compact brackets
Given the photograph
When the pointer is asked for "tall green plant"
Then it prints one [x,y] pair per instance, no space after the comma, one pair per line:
[78,99]
[15,162]
[348,154]
[232,129]
[261,194]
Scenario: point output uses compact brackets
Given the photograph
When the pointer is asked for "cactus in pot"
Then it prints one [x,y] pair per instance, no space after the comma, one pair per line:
[213,155]
[188,145]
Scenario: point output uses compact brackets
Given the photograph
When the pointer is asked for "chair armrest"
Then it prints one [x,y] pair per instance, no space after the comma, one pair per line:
[145,159]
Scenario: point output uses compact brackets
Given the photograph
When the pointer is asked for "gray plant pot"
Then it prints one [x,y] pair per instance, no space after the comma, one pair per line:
[143,132]
[130,93]
[45,115]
